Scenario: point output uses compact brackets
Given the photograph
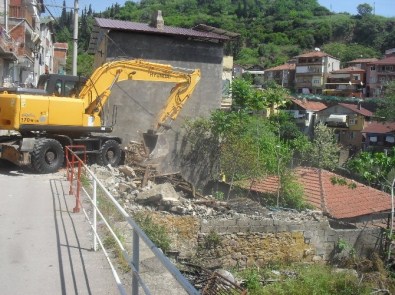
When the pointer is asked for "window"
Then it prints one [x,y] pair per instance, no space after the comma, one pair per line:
[58,88]
[372,68]
[352,121]
[352,135]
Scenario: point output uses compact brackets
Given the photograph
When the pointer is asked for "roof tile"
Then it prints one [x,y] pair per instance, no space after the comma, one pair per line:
[310,105]
[167,30]
[379,127]
[356,109]
[339,201]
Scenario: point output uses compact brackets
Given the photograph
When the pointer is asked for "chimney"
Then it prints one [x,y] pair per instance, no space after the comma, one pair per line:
[157,20]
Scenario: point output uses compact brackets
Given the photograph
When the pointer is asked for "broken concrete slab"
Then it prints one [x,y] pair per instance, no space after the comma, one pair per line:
[160,194]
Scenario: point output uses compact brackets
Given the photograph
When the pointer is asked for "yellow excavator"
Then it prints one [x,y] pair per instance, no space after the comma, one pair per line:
[41,123]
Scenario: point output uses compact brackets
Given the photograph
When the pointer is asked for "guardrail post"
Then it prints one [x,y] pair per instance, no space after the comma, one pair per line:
[77,207]
[94,215]
[135,262]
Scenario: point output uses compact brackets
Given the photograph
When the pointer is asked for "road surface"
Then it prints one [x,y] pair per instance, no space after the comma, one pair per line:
[45,248]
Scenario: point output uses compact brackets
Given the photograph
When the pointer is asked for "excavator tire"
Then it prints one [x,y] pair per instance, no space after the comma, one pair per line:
[47,155]
[109,153]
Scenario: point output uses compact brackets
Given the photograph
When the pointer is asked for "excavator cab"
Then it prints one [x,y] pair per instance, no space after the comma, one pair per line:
[61,85]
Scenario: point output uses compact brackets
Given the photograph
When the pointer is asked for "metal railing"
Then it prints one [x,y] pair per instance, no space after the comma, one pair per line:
[76,169]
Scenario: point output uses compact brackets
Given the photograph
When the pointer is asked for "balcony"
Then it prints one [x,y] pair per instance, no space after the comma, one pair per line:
[8,47]
[20,12]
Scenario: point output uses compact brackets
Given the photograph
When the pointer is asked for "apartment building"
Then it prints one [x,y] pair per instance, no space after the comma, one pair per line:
[312,70]
[347,82]
[20,37]
[380,73]
[283,75]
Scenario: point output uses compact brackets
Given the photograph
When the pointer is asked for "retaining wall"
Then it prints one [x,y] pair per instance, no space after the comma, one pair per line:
[247,241]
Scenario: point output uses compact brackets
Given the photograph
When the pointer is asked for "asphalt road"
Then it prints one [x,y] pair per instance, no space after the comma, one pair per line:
[44,247]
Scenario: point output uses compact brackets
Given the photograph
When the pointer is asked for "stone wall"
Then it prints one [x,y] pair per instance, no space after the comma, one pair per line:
[258,241]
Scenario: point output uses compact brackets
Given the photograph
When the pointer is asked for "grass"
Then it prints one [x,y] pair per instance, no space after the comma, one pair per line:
[157,233]
[304,279]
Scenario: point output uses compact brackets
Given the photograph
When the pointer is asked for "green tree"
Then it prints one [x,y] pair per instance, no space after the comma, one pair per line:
[386,108]
[85,64]
[324,151]
[373,167]
[364,9]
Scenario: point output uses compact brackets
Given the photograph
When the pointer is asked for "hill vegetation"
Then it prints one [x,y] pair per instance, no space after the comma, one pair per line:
[271,31]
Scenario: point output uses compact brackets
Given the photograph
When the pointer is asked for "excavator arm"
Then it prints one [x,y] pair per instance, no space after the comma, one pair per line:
[97,89]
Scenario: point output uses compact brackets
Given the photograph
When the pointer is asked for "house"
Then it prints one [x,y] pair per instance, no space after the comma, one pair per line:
[23,26]
[379,136]
[338,197]
[20,42]
[346,82]
[139,101]
[60,57]
[283,75]
[257,72]
[304,113]
[348,121]
[312,70]
[45,50]
[379,74]
[362,63]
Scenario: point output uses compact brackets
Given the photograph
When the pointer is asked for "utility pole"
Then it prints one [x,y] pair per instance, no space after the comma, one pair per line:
[75,38]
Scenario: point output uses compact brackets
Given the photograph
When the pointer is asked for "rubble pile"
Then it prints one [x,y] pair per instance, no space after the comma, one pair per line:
[141,188]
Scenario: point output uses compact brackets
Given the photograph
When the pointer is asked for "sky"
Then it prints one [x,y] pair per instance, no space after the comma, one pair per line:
[381,7]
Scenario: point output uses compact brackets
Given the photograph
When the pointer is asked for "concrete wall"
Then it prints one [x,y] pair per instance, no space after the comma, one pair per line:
[139,102]
[248,242]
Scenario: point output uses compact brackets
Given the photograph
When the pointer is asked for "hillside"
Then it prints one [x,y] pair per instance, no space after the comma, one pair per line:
[271,31]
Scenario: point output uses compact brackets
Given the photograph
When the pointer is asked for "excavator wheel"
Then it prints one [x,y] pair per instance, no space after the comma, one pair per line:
[109,153]
[47,155]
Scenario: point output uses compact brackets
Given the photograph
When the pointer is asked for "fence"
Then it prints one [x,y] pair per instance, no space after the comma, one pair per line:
[163,271]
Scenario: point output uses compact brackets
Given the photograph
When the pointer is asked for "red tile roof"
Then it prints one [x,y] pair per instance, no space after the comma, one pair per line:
[336,200]
[309,105]
[146,28]
[283,67]
[61,45]
[354,107]
[363,60]
[385,61]
[379,127]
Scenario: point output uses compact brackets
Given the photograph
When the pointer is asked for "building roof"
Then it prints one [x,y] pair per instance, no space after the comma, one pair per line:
[379,127]
[385,61]
[363,60]
[338,201]
[167,30]
[61,45]
[201,33]
[355,108]
[284,67]
[315,54]
[309,105]
[349,70]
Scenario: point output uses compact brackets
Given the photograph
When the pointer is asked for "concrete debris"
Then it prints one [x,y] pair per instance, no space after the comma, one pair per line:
[138,188]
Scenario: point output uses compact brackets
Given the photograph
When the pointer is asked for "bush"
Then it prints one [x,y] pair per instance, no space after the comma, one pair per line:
[156,233]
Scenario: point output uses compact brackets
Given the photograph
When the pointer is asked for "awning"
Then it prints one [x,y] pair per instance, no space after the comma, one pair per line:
[337,118]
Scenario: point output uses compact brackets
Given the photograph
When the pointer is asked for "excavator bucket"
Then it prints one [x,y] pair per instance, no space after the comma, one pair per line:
[157,146]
